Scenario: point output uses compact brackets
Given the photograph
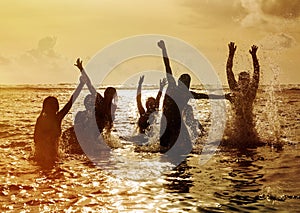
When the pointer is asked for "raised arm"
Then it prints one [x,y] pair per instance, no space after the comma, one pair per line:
[62,113]
[255,79]
[162,83]
[196,95]
[170,78]
[87,79]
[230,76]
[139,96]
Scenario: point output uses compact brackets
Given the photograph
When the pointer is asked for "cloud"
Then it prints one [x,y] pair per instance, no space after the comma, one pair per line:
[281,8]
[278,41]
[269,12]
[254,14]
[212,13]
[42,64]
[262,14]
[45,49]
[44,57]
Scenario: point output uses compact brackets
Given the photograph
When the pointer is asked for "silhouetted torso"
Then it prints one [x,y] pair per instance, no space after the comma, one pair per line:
[105,114]
[143,122]
[46,135]
[175,100]
[243,124]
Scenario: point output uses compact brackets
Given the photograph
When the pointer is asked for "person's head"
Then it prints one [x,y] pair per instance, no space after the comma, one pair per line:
[184,80]
[109,94]
[89,102]
[244,80]
[150,104]
[50,105]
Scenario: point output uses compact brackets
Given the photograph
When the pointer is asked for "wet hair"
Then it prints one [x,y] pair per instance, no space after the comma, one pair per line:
[88,100]
[244,75]
[148,102]
[50,104]
[185,79]
[109,93]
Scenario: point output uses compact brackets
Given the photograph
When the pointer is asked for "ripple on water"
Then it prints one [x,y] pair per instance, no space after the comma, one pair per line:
[264,179]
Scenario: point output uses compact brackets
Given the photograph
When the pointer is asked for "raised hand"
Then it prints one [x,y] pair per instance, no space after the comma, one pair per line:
[161,44]
[141,80]
[253,50]
[232,48]
[162,83]
[79,64]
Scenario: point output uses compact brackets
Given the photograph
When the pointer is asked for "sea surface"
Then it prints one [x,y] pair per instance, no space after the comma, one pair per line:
[264,179]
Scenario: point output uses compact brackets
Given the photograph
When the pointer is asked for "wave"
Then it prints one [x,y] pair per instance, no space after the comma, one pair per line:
[292,87]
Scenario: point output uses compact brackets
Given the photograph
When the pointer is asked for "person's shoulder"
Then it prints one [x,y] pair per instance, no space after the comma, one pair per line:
[81,113]
[41,118]
[79,116]
[38,120]
[188,107]
[98,95]
[99,98]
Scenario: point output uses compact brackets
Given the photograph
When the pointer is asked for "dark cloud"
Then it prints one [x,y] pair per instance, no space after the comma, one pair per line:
[281,8]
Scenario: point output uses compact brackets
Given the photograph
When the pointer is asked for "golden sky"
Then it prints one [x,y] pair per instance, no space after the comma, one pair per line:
[40,40]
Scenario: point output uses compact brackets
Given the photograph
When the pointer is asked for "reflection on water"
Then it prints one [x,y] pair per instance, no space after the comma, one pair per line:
[261,180]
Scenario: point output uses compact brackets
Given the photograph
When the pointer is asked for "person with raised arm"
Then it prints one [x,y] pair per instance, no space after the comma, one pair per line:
[97,117]
[173,129]
[243,93]
[104,106]
[152,105]
[47,129]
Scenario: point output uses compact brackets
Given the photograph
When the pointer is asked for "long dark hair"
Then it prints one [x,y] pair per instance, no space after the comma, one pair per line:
[109,94]
[50,104]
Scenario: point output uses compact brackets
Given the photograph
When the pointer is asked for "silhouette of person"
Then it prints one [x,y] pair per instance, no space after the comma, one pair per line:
[104,107]
[152,105]
[242,97]
[173,130]
[48,128]
[97,117]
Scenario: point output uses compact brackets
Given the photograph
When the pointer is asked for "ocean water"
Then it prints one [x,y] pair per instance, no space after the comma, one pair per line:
[264,179]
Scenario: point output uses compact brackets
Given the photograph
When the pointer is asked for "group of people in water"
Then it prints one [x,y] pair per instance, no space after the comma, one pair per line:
[177,114]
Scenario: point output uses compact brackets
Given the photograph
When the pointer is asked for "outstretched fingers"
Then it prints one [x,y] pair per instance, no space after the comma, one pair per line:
[163,82]
[79,64]
[232,47]
[141,79]
[253,50]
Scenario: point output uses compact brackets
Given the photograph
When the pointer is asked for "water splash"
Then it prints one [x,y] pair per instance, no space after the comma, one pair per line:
[272,116]
[271,131]
[241,131]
